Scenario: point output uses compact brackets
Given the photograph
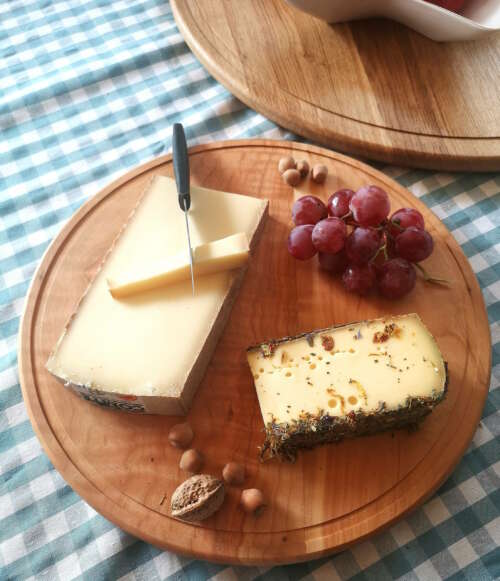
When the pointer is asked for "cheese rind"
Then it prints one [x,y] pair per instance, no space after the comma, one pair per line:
[217,256]
[346,381]
[147,353]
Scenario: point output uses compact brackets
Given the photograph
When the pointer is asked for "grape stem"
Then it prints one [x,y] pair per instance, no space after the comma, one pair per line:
[397,224]
[383,227]
[431,279]
[383,249]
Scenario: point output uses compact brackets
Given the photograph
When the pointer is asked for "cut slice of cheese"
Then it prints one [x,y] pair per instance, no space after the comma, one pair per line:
[217,256]
[148,352]
[346,381]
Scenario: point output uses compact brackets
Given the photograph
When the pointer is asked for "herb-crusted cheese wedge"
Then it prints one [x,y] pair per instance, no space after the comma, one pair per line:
[346,381]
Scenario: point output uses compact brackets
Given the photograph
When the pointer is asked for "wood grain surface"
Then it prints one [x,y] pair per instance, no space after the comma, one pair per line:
[332,496]
[372,88]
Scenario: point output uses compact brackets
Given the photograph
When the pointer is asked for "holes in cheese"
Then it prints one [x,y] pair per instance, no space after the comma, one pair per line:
[345,381]
[217,256]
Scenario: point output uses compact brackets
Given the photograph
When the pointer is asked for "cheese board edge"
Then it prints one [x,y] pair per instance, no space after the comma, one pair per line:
[428,155]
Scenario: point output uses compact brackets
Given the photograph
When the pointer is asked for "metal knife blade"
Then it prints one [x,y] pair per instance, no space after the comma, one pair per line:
[181,171]
[190,251]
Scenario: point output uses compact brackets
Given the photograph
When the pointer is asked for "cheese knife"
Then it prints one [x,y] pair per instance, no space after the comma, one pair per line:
[181,171]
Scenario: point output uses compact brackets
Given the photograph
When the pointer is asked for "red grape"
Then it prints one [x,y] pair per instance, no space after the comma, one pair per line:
[329,235]
[359,279]
[414,244]
[338,203]
[334,263]
[396,278]
[454,5]
[300,244]
[362,244]
[404,218]
[308,210]
[370,206]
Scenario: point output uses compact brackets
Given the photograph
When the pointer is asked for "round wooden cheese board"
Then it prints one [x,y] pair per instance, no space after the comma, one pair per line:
[373,88]
[332,496]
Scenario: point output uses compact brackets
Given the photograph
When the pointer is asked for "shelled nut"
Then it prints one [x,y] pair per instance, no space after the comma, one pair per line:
[302,168]
[286,163]
[181,435]
[191,461]
[252,500]
[319,173]
[233,473]
[292,177]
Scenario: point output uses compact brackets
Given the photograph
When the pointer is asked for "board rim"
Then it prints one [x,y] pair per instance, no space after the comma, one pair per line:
[120,507]
[476,158]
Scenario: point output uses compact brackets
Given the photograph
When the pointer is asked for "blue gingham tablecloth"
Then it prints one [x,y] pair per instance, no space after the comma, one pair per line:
[88,90]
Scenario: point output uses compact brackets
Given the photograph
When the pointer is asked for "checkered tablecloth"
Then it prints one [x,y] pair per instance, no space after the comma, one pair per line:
[88,90]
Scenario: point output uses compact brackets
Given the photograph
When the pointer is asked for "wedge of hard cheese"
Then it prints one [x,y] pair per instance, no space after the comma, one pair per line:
[224,254]
[346,381]
[148,352]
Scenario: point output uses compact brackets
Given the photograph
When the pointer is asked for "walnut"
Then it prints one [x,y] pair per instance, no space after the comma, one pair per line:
[197,498]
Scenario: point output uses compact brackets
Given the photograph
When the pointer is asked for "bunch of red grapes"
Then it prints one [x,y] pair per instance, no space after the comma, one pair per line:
[354,237]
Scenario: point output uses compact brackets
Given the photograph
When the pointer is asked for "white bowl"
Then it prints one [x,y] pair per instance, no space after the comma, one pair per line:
[478,17]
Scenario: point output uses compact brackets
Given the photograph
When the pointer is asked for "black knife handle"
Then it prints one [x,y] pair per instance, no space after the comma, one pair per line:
[181,165]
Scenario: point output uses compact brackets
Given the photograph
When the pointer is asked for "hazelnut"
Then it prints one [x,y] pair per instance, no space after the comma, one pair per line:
[252,500]
[197,498]
[286,163]
[303,167]
[292,177]
[181,435]
[233,473]
[319,173]
[191,461]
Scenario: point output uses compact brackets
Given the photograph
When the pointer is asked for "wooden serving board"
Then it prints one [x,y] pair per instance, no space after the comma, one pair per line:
[373,88]
[331,497]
